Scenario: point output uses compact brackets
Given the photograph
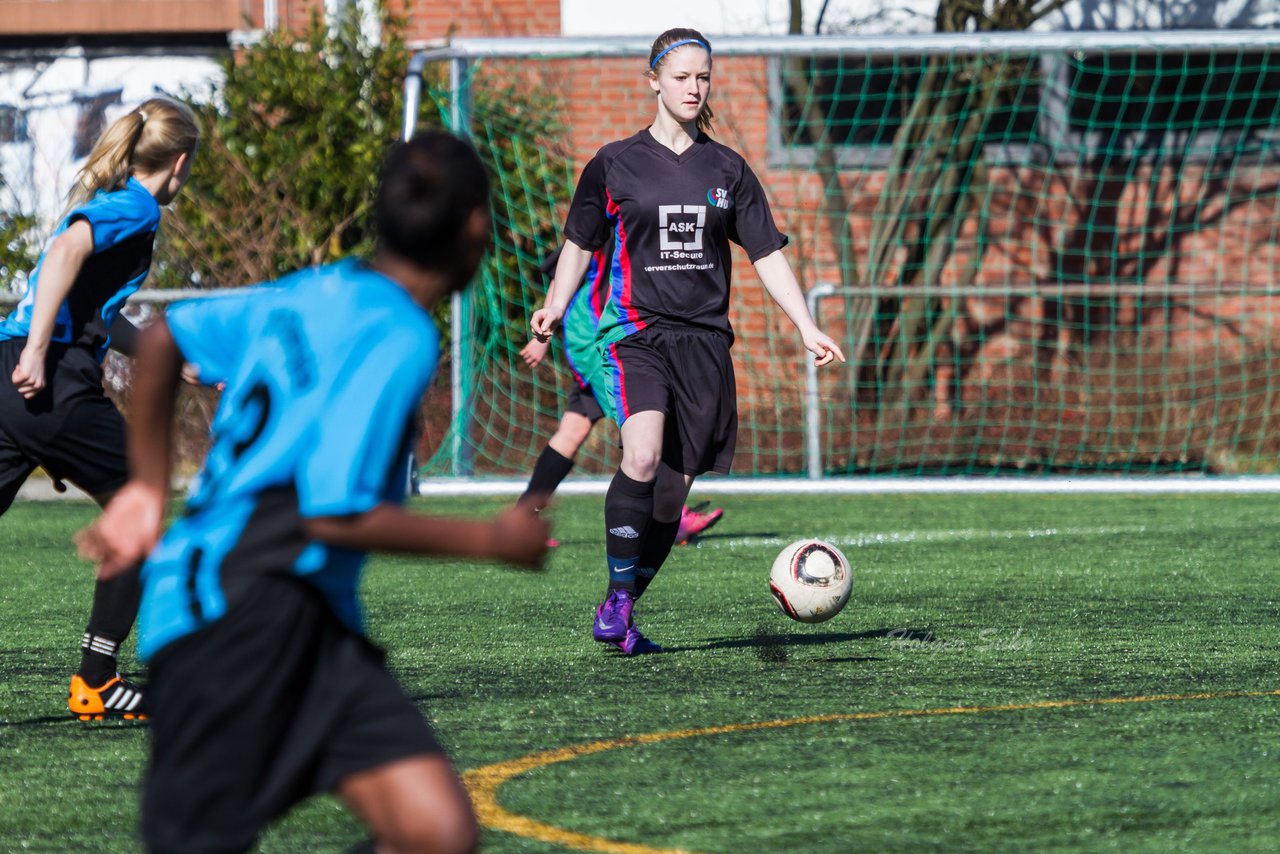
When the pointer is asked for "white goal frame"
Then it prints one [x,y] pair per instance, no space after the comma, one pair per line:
[461,54]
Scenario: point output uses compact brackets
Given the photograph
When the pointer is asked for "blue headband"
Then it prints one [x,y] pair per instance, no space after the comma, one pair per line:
[675,45]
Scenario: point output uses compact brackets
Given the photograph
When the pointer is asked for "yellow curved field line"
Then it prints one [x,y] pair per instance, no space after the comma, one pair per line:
[483,783]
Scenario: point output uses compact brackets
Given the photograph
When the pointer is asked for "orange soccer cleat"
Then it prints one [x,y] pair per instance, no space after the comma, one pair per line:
[116,698]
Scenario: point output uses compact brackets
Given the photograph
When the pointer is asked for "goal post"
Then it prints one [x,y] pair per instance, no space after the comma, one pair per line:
[1045,252]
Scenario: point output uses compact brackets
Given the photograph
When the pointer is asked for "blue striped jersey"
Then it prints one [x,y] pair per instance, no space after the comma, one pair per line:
[324,372]
[124,224]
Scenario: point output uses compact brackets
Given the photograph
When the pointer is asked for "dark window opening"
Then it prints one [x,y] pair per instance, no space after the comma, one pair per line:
[93,120]
[13,124]
[1065,106]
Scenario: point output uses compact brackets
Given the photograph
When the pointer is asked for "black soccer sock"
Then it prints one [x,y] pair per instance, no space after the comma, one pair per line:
[628,507]
[658,541]
[551,468]
[366,847]
[115,606]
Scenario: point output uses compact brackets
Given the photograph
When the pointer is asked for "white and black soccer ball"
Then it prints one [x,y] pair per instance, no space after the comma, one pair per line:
[811,581]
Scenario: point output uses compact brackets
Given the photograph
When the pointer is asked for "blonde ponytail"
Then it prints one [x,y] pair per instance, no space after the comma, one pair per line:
[144,139]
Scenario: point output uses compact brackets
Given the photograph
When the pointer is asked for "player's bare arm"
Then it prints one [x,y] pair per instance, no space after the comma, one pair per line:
[517,537]
[779,280]
[572,266]
[534,352]
[58,273]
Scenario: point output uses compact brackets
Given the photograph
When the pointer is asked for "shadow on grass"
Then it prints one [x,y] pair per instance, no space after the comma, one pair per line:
[61,719]
[422,698]
[734,535]
[773,646]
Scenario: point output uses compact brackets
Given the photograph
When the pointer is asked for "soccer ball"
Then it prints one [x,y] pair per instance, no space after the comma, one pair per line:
[811,581]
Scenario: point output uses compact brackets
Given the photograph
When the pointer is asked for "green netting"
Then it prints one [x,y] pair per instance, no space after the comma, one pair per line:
[1042,262]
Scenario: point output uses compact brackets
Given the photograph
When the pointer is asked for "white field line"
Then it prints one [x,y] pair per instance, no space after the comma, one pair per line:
[898,538]
[446,486]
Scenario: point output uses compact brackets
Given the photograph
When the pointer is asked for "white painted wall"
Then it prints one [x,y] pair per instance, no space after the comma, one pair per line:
[770,17]
[712,17]
[52,94]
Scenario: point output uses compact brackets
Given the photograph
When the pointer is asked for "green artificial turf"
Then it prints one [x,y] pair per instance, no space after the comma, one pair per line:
[960,602]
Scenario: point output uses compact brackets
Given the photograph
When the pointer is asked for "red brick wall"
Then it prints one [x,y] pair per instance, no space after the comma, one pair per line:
[75,17]
[425,19]
[292,14]
[434,19]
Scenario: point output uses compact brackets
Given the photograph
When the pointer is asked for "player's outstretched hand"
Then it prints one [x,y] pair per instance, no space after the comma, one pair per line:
[520,534]
[823,347]
[127,530]
[544,323]
[534,352]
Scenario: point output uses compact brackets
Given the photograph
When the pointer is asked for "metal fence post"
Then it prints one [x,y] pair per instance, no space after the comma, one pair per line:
[461,458]
[812,410]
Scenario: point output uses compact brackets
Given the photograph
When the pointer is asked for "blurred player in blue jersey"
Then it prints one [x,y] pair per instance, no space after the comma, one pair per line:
[263,688]
[582,410]
[673,199]
[53,410]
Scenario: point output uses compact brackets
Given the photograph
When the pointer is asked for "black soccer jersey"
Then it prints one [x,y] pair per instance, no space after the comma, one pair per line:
[673,216]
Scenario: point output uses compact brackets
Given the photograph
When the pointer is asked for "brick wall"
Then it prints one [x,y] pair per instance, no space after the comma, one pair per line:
[426,19]
[434,20]
[291,14]
[70,17]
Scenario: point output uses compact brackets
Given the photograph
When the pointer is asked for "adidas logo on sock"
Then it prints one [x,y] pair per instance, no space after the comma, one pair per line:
[626,532]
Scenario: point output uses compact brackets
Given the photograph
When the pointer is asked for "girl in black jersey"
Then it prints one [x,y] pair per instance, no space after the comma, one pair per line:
[53,411]
[674,198]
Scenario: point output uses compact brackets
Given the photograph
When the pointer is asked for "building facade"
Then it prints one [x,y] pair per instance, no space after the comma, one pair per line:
[68,67]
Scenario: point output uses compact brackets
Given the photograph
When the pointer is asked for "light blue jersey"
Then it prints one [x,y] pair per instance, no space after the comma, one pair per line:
[324,373]
[124,224]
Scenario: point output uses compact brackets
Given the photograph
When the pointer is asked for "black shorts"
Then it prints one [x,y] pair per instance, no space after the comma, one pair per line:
[272,703]
[583,402]
[687,374]
[71,429]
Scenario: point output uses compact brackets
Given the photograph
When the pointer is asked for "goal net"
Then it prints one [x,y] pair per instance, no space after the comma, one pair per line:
[1042,252]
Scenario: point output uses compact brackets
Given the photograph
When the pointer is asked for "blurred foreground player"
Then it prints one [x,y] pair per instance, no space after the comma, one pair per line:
[264,690]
